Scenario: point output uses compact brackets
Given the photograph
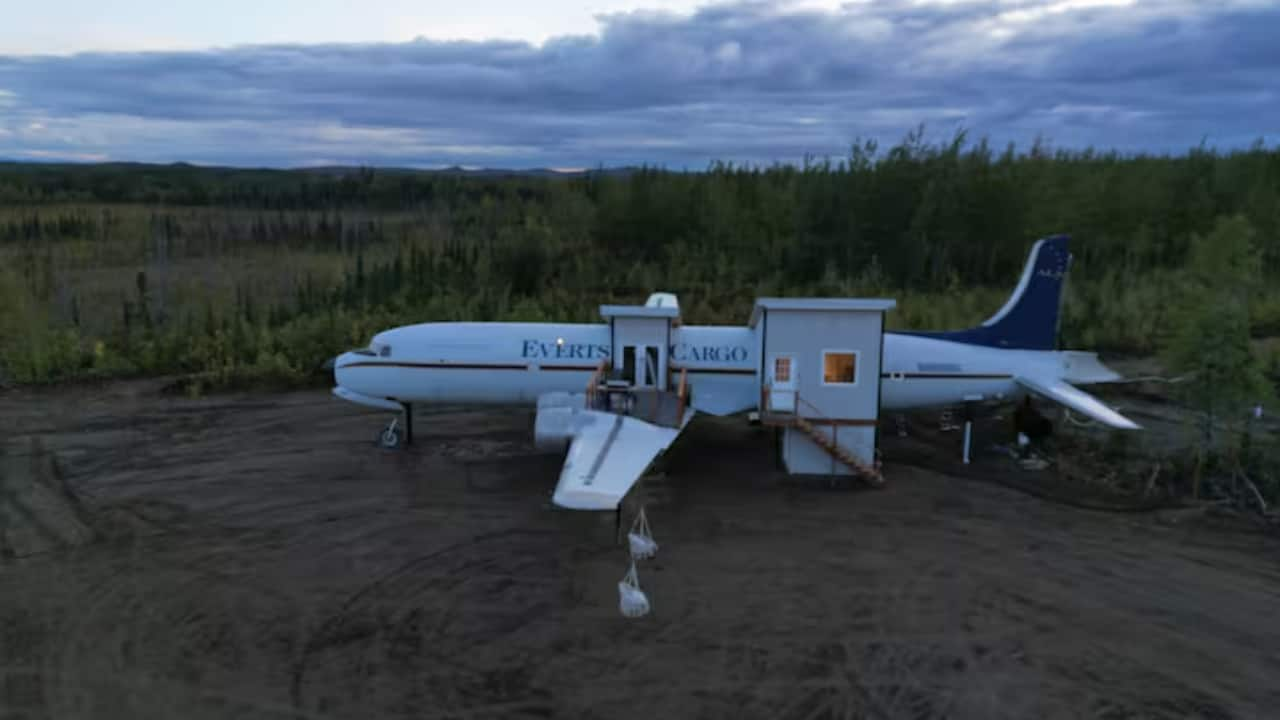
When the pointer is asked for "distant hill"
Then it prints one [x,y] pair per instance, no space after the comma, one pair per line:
[468,172]
[329,186]
[325,170]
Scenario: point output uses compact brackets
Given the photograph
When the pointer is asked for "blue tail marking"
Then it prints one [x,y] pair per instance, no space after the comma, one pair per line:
[1029,320]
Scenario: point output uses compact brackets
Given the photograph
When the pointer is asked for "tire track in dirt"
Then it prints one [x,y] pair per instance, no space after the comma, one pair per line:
[385,617]
[181,625]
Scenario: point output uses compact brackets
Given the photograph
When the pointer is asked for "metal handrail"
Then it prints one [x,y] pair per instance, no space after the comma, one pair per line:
[819,413]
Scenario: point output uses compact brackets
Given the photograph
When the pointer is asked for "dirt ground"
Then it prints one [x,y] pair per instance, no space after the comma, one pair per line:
[256,556]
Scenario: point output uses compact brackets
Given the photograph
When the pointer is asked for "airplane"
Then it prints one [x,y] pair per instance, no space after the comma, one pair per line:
[1009,356]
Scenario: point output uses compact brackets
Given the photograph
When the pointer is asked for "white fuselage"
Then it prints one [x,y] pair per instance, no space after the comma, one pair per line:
[515,363]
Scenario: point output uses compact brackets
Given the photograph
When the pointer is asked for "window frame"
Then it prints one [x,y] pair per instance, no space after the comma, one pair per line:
[790,365]
[857,365]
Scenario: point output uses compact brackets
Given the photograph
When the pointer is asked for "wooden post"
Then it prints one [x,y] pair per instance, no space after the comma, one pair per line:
[835,445]
[683,390]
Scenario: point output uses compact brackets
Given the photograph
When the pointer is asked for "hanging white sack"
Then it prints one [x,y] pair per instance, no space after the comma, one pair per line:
[641,539]
[631,599]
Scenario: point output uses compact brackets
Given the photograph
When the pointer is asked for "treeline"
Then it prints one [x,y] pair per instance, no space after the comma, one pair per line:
[304,189]
[118,269]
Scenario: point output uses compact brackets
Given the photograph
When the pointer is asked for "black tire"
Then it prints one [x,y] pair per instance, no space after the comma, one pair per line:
[389,438]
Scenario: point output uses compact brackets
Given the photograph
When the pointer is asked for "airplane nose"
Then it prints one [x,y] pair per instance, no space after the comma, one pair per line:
[334,365]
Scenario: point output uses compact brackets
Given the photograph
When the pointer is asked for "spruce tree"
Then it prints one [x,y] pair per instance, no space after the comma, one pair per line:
[1210,338]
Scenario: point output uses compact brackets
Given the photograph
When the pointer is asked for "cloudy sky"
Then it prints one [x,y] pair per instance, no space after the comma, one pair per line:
[557,83]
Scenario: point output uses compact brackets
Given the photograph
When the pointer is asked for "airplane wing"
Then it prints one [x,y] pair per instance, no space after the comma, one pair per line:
[607,455]
[1082,402]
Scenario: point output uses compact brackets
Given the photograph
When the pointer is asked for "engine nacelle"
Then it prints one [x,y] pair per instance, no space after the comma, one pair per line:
[559,416]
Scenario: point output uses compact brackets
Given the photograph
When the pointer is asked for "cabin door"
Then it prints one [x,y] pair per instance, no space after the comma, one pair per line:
[641,365]
[781,381]
[654,373]
[629,363]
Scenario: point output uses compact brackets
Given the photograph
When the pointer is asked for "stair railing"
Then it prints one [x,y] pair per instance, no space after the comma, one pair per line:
[870,471]
[767,406]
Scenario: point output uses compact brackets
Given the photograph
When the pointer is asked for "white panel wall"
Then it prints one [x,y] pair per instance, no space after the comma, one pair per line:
[641,331]
[806,334]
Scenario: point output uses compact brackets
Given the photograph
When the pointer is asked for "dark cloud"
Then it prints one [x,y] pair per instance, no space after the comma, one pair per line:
[747,82]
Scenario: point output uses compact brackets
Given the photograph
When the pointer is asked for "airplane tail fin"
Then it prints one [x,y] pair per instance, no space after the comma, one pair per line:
[1029,319]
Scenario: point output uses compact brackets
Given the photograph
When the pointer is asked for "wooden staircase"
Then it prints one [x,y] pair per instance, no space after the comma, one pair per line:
[868,473]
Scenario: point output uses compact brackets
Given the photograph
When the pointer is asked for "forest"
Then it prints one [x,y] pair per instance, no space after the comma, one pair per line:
[239,275]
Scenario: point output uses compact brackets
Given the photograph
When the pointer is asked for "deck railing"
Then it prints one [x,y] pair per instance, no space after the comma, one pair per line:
[593,385]
[683,393]
[647,403]
[766,407]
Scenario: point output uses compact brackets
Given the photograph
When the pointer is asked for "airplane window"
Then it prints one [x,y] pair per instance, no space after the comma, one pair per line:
[385,351]
[362,351]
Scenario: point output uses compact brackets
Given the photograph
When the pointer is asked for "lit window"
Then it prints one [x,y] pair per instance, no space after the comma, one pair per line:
[839,368]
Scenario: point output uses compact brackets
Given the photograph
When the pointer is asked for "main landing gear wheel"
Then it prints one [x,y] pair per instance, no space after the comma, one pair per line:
[390,436]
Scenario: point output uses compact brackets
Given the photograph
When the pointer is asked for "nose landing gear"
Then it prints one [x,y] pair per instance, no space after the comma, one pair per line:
[391,436]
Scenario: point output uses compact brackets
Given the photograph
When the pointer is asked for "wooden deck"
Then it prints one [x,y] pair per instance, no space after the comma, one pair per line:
[660,407]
